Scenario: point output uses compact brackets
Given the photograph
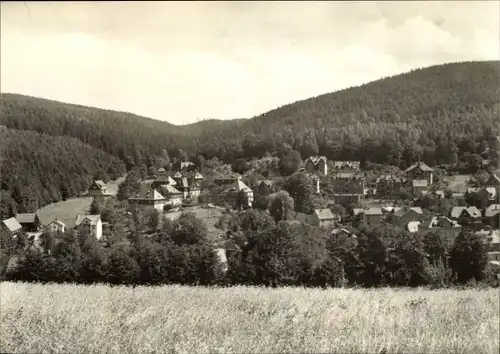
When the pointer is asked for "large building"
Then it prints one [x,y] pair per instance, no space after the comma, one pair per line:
[348,187]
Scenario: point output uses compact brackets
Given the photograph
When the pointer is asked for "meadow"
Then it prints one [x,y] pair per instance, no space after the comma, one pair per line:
[69,209]
[176,319]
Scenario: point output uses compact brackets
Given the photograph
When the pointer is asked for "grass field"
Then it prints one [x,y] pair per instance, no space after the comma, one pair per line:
[175,319]
[67,210]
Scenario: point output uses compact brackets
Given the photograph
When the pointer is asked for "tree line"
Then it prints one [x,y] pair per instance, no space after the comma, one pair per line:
[39,169]
[445,115]
[142,247]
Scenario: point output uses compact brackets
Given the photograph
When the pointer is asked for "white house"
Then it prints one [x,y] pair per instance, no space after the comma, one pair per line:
[98,189]
[56,226]
[90,223]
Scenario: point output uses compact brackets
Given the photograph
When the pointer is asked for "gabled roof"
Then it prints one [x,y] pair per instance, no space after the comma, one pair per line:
[242,186]
[420,165]
[402,211]
[161,170]
[419,183]
[389,178]
[338,231]
[472,211]
[12,224]
[26,218]
[93,219]
[167,189]
[492,210]
[198,175]
[178,175]
[493,180]
[436,221]
[324,214]
[346,164]
[100,184]
[439,193]
[316,159]
[59,222]
[186,164]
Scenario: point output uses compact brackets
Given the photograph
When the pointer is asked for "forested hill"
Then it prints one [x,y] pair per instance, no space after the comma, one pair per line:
[38,169]
[441,113]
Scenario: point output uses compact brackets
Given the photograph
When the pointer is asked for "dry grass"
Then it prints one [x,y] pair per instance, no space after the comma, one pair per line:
[87,319]
[66,211]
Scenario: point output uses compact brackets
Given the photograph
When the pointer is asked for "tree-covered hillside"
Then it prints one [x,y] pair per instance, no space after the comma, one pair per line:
[38,169]
[440,114]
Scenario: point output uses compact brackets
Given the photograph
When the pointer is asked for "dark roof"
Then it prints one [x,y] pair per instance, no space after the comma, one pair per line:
[347,164]
[26,218]
[12,224]
[421,165]
[403,211]
[316,159]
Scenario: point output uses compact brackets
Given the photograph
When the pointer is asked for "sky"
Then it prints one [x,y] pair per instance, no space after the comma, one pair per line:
[186,61]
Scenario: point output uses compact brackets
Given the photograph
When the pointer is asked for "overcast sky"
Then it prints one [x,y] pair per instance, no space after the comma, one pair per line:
[184,61]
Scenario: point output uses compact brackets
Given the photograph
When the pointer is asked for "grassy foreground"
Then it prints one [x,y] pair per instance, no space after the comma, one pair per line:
[89,319]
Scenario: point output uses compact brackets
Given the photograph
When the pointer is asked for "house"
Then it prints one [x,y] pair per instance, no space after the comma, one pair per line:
[470,216]
[371,216]
[222,266]
[485,193]
[56,226]
[419,186]
[448,227]
[233,193]
[402,216]
[11,225]
[324,218]
[184,166]
[348,187]
[342,233]
[91,224]
[164,178]
[156,195]
[420,170]
[492,216]
[98,189]
[29,221]
[189,187]
[435,193]
[492,181]
[491,238]
[346,165]
[317,165]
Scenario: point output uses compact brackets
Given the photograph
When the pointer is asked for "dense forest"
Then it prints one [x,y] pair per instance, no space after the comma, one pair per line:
[442,114]
[38,169]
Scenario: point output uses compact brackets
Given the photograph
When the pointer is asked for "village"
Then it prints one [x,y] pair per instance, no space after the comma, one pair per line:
[365,197]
